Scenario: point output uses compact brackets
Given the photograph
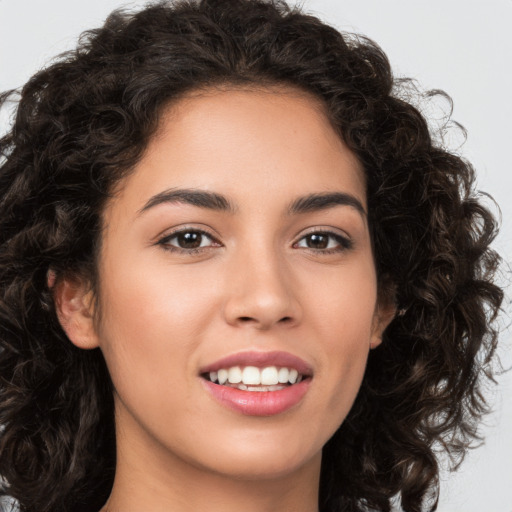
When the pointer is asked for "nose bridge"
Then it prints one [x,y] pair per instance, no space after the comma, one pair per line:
[260,288]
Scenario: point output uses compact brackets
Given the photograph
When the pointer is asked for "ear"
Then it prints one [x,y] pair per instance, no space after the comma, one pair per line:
[74,305]
[384,314]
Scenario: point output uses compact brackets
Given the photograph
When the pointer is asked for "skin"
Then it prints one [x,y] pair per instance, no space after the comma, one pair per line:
[254,285]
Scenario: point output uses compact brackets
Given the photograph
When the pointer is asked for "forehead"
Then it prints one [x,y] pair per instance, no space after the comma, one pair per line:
[246,140]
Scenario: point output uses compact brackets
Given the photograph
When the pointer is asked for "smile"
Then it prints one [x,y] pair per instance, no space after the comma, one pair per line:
[251,378]
[258,383]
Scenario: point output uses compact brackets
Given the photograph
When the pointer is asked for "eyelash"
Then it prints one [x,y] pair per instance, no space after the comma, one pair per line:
[164,242]
[344,243]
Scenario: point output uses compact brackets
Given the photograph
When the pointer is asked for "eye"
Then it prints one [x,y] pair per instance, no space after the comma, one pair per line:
[324,241]
[188,240]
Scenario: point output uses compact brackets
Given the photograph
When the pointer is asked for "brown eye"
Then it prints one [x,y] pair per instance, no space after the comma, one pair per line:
[317,241]
[188,240]
[324,241]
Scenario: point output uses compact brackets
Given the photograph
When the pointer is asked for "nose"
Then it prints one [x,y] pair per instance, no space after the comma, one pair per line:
[261,293]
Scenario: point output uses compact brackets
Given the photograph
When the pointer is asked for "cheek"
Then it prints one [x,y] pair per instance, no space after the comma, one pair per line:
[153,320]
[144,298]
[344,317]
[344,307]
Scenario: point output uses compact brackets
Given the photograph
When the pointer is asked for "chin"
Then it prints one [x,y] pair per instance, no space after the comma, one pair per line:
[256,461]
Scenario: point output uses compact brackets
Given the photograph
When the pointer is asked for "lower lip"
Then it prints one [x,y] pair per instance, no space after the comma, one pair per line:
[258,403]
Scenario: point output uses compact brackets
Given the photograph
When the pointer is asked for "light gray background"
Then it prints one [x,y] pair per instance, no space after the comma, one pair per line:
[461,46]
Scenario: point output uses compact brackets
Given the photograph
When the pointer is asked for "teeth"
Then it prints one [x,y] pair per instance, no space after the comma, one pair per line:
[243,387]
[282,375]
[266,379]
[222,376]
[269,376]
[275,388]
[251,375]
[235,375]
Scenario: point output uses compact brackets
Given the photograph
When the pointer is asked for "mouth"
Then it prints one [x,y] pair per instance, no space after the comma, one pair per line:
[252,378]
[258,383]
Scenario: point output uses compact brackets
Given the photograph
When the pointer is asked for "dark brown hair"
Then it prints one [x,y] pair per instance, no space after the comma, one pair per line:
[83,122]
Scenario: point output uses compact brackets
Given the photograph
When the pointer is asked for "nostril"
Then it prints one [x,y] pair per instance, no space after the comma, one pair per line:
[248,319]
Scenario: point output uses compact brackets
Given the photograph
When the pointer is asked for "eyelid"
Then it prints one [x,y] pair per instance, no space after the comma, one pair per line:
[163,240]
[345,240]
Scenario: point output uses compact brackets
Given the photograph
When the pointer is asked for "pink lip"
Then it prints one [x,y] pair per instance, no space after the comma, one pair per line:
[259,403]
[261,360]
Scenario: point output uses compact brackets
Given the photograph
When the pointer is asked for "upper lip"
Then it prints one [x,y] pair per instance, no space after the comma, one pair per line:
[260,360]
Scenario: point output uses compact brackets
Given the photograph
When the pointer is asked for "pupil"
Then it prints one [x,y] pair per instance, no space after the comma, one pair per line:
[318,241]
[189,240]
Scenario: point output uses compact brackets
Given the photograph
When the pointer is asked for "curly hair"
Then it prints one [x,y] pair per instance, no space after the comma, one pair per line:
[80,127]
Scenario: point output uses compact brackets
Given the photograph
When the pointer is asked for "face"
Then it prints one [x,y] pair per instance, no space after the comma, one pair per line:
[240,240]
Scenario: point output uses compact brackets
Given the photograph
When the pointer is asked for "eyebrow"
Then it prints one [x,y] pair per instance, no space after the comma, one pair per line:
[200,198]
[322,201]
[214,201]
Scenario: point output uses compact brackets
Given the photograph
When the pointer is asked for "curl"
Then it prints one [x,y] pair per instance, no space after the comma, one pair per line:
[82,124]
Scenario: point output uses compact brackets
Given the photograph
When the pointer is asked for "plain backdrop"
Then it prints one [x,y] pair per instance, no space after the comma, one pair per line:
[461,46]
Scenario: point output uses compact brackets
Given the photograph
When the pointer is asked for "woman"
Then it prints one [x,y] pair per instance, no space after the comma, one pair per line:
[236,271]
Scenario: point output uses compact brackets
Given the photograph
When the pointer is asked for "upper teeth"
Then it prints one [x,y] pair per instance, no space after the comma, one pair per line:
[251,375]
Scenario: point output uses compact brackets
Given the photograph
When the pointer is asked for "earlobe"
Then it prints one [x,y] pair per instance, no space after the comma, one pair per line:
[382,318]
[375,342]
[75,310]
